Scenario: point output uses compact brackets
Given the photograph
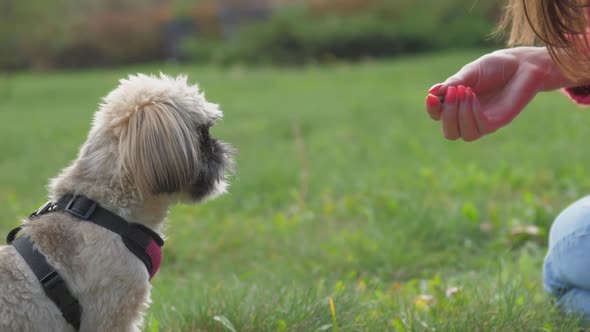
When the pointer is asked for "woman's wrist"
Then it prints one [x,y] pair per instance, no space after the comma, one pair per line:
[537,62]
[552,77]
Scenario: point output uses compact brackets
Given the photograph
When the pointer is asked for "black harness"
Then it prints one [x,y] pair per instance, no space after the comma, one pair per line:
[140,240]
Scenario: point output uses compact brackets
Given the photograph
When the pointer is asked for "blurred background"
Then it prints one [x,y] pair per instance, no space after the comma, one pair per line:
[96,33]
[349,211]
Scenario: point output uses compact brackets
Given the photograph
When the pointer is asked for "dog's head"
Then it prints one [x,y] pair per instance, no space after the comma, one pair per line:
[158,129]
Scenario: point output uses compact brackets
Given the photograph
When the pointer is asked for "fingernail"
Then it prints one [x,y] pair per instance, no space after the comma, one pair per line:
[461,92]
[432,100]
[451,96]
[435,88]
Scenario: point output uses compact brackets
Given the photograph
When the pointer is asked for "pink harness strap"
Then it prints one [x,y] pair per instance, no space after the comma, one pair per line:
[155,253]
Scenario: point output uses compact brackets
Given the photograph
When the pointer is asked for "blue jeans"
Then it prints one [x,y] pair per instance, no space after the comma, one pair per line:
[566,271]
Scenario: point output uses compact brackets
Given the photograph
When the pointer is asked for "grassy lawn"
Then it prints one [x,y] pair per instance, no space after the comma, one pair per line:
[348,212]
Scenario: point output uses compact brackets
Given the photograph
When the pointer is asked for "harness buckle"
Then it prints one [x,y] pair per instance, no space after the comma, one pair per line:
[52,280]
[84,211]
[44,208]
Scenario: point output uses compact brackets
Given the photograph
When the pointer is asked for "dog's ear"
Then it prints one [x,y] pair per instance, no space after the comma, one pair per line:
[158,149]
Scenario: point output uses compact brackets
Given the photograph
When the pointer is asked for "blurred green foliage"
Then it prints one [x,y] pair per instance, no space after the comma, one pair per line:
[69,33]
[297,35]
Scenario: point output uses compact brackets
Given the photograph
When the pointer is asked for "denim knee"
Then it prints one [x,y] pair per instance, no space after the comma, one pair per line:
[574,219]
[567,263]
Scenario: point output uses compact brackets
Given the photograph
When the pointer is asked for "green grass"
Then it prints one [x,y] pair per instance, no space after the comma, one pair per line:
[345,190]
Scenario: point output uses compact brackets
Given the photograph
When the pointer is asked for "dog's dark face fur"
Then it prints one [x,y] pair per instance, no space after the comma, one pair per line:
[215,162]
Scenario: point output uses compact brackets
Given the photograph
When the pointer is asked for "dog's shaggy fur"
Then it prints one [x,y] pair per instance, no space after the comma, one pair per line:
[148,148]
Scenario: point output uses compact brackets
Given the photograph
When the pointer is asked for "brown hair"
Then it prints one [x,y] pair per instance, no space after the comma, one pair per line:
[560,25]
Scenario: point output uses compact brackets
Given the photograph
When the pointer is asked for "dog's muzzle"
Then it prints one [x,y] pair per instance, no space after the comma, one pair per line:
[211,173]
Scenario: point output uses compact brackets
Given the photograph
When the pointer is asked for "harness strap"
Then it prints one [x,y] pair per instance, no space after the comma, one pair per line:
[52,283]
[140,240]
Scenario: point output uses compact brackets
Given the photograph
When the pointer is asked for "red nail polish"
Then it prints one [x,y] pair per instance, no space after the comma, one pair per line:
[451,96]
[461,92]
[432,100]
[435,88]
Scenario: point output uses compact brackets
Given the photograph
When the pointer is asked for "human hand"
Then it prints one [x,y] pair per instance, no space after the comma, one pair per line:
[490,92]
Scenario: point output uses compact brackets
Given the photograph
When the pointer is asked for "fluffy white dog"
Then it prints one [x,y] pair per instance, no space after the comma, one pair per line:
[148,148]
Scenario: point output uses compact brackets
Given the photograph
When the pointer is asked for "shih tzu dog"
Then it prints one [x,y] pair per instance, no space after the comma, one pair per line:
[84,260]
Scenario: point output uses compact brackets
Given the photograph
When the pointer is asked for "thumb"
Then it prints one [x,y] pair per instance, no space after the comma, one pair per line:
[467,77]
